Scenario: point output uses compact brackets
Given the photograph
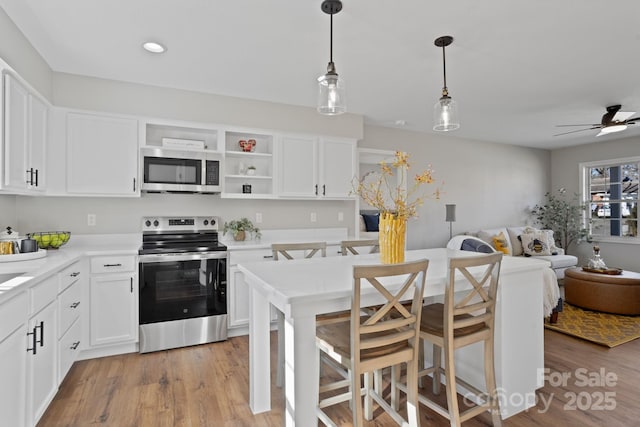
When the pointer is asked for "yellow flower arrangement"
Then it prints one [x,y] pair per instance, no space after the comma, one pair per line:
[400,200]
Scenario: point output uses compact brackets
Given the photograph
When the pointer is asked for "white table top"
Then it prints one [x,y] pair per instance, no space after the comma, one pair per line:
[331,277]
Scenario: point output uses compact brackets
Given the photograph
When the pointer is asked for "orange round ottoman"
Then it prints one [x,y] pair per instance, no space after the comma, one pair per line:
[618,294]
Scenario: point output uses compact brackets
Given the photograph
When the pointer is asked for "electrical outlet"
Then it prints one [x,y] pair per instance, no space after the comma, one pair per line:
[314,217]
[91,219]
[340,216]
[258,218]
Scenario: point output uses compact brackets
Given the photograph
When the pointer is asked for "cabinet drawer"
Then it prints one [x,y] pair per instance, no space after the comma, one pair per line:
[113,264]
[13,313]
[43,294]
[70,275]
[69,307]
[236,257]
[68,349]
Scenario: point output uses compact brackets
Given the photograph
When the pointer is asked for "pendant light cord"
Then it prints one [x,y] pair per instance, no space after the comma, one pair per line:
[331,38]
[444,72]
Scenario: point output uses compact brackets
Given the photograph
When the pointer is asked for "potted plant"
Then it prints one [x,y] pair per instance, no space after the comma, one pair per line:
[562,215]
[251,170]
[240,227]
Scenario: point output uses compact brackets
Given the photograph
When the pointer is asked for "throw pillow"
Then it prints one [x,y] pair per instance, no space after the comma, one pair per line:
[552,242]
[501,244]
[535,244]
[372,222]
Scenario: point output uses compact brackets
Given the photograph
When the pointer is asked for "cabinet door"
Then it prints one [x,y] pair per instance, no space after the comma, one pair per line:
[337,167]
[298,167]
[16,134]
[238,293]
[38,119]
[102,155]
[13,378]
[42,362]
[113,309]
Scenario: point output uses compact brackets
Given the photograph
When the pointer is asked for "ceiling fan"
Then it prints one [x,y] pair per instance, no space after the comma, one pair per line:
[612,121]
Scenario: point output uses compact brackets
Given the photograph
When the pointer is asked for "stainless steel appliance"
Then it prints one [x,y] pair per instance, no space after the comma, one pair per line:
[174,170]
[183,283]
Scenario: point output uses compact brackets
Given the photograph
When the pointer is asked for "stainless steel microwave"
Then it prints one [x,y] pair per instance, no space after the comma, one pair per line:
[171,170]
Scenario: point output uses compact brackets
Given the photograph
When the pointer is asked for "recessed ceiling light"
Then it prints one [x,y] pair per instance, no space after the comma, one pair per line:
[154,47]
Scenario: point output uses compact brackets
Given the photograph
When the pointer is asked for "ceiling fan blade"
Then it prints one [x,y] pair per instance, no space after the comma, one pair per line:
[621,116]
[584,124]
[632,121]
[579,130]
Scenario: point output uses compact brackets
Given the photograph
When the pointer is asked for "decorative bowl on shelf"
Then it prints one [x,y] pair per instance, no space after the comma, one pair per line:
[50,239]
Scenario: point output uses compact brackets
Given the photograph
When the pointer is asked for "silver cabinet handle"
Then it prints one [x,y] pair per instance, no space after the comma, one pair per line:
[112,265]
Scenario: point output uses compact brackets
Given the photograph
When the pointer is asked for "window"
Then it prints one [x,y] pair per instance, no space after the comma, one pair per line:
[610,191]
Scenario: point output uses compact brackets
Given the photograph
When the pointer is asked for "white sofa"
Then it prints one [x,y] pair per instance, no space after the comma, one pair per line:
[559,262]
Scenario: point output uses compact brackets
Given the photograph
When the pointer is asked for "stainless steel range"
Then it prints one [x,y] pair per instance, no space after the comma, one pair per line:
[183,283]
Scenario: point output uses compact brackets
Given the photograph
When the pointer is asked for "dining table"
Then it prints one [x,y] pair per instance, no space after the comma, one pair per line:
[302,289]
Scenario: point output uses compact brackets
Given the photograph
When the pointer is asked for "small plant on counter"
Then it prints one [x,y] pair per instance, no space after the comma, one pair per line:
[239,228]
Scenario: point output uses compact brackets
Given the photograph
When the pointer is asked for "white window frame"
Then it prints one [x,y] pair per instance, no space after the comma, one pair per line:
[586,197]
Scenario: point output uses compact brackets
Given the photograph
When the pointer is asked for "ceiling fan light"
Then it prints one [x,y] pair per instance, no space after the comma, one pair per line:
[613,128]
[445,115]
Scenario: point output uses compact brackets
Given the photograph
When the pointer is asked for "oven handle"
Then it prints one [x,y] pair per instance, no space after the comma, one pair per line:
[145,259]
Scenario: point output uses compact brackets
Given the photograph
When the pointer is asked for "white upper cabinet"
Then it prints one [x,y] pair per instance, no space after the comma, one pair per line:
[25,136]
[102,155]
[312,167]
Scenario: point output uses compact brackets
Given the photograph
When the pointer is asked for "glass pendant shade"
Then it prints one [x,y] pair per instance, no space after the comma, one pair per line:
[332,95]
[445,115]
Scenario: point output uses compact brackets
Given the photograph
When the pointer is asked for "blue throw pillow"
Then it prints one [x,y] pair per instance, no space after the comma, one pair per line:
[371,222]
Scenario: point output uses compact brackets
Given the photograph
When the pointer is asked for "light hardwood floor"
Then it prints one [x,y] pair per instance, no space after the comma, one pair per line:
[208,385]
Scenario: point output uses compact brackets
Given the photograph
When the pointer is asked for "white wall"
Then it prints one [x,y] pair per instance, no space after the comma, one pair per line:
[565,173]
[18,52]
[8,217]
[491,184]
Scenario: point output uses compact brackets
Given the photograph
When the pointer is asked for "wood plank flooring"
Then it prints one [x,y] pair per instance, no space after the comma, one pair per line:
[208,385]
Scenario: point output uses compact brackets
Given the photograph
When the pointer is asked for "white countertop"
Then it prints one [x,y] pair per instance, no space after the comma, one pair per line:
[17,274]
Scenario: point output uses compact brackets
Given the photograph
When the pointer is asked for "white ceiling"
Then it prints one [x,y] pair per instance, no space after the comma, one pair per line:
[516,68]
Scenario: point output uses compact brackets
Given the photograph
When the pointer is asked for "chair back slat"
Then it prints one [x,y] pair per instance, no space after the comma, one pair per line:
[393,328]
[476,306]
[347,246]
[310,249]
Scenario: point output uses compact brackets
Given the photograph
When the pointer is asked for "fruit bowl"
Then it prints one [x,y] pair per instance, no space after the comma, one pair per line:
[50,239]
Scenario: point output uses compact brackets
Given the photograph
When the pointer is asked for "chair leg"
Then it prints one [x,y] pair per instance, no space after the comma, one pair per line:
[421,344]
[280,365]
[437,368]
[356,401]
[395,391]
[413,406]
[490,380]
[450,379]
[368,401]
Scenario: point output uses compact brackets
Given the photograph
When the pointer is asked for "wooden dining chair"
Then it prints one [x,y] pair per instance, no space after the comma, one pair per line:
[368,343]
[466,317]
[290,251]
[351,246]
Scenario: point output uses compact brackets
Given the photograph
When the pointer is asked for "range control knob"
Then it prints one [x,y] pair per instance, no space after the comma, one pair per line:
[147,223]
[213,221]
[206,222]
[156,223]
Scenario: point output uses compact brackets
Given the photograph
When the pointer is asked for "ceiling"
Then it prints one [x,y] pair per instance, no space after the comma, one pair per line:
[516,68]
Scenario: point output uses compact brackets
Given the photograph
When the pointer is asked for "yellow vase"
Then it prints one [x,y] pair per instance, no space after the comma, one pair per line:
[392,233]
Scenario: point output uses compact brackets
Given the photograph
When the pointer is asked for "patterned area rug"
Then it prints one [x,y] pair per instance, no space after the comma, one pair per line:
[601,328]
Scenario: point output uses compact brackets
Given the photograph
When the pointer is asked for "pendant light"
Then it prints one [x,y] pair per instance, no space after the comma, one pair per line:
[445,112]
[331,89]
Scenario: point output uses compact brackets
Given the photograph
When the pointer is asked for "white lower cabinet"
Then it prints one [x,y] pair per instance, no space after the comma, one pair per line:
[113,303]
[13,369]
[42,373]
[70,306]
[238,291]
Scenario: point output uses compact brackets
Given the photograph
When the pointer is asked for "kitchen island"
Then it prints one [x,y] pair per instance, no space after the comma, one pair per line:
[302,289]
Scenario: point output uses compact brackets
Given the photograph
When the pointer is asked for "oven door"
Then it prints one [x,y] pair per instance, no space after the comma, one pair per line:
[182,286]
